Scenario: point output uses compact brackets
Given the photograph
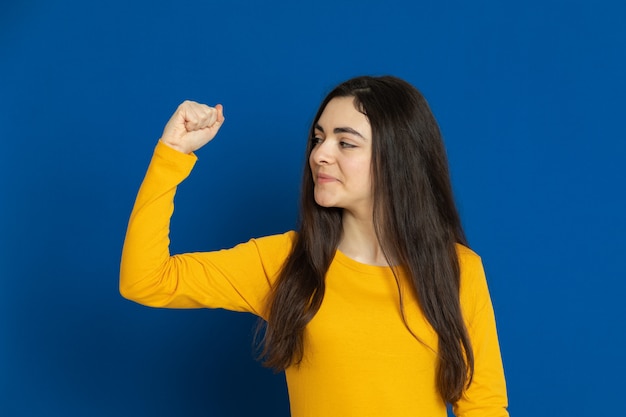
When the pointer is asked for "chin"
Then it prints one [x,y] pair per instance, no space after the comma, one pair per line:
[324,202]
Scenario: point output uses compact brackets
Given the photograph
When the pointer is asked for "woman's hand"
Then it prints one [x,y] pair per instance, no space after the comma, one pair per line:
[192,126]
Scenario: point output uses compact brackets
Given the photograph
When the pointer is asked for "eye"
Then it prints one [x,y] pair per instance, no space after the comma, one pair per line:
[316,140]
[346,145]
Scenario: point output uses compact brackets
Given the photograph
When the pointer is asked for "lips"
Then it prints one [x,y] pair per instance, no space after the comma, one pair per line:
[324,178]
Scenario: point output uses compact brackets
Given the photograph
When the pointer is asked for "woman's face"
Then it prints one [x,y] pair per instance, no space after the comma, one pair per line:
[341,158]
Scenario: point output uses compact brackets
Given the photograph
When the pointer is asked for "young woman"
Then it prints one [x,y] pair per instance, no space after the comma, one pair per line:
[375,306]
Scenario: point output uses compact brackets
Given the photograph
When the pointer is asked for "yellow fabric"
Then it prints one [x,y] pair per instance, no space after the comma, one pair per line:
[360,359]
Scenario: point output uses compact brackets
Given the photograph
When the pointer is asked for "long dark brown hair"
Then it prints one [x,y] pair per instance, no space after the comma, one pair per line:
[416,222]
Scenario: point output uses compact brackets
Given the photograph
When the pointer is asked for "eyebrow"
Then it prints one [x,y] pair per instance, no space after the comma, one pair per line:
[341,130]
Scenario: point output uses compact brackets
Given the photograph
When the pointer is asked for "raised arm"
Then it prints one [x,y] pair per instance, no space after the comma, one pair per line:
[148,274]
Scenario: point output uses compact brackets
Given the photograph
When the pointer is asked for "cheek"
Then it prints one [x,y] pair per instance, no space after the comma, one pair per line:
[361,173]
[367,175]
[364,167]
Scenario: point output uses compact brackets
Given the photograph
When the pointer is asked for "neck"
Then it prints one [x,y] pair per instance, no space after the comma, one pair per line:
[359,242]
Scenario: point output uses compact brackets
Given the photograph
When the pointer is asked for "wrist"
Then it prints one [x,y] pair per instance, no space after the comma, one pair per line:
[176,147]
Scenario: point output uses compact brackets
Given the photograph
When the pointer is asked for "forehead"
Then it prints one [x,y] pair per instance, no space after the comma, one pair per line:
[342,112]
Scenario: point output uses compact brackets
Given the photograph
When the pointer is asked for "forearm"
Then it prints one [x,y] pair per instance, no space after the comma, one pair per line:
[145,256]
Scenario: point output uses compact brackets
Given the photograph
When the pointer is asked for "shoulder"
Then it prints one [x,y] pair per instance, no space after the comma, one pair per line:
[273,250]
[278,242]
[468,259]
[474,292]
[268,250]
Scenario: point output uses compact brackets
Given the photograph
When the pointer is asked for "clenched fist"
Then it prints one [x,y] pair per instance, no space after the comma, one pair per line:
[192,126]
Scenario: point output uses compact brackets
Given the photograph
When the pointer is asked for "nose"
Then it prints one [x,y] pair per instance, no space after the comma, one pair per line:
[321,153]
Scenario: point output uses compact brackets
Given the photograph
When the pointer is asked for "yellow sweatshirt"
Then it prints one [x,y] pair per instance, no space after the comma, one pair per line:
[359,360]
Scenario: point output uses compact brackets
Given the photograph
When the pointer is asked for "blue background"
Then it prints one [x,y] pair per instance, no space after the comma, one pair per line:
[530,99]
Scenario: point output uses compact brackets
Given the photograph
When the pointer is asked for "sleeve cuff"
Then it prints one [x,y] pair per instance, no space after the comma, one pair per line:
[173,155]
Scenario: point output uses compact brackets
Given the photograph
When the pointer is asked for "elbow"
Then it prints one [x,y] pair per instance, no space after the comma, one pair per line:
[151,287]
[130,283]
[133,279]
[142,291]
[126,289]
[135,294]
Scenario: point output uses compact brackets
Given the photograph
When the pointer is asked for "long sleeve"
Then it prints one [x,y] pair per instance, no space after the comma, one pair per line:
[235,279]
[486,396]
